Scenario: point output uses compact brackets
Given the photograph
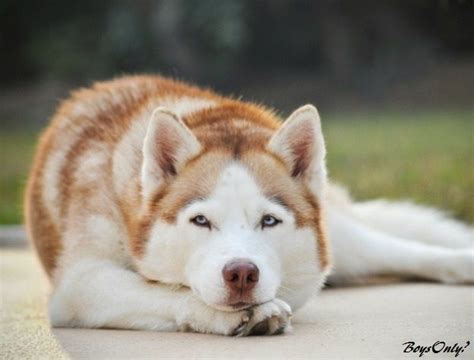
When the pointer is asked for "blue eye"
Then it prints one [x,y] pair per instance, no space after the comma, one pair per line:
[201,220]
[269,221]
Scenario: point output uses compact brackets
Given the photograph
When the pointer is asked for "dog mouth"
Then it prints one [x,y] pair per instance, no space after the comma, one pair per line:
[235,306]
[241,305]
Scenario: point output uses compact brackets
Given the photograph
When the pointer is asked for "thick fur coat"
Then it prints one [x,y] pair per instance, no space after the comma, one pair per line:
[145,191]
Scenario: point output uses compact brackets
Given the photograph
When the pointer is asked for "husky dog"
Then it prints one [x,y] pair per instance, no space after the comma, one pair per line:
[157,205]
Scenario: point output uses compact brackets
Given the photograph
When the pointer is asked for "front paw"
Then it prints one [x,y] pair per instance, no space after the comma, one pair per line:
[194,315]
[270,318]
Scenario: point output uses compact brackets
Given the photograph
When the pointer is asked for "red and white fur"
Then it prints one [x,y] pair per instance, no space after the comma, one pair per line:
[144,189]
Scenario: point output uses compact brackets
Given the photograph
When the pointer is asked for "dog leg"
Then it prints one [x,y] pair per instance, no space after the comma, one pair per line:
[414,222]
[361,251]
[97,293]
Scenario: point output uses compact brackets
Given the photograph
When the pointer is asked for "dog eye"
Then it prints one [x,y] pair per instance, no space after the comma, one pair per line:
[201,220]
[269,221]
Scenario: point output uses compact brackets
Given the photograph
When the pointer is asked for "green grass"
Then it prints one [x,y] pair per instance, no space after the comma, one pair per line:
[16,152]
[426,157]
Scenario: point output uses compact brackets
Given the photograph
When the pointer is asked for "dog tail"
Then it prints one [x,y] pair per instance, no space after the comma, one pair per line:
[409,221]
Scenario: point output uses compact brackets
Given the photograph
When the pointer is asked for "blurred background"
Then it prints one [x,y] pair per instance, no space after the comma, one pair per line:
[393,80]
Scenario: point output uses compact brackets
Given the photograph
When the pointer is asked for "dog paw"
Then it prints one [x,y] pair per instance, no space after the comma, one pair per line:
[270,318]
[199,317]
[457,267]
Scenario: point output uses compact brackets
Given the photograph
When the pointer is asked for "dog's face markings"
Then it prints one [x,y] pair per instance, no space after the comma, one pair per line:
[243,231]
[236,221]
[235,209]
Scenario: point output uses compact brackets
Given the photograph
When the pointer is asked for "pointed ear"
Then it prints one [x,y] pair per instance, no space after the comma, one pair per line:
[167,146]
[300,143]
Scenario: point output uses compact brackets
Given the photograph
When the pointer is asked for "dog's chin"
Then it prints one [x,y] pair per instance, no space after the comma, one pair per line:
[235,306]
[238,305]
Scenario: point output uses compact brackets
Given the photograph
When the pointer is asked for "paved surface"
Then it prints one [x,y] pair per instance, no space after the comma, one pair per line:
[12,236]
[350,323]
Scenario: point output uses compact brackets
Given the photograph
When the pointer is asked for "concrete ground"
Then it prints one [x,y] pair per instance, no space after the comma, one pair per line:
[345,323]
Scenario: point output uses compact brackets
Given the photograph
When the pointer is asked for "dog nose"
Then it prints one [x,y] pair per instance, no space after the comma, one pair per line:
[240,277]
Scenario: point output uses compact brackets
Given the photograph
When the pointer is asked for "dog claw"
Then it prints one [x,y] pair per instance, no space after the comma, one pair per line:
[266,319]
[239,331]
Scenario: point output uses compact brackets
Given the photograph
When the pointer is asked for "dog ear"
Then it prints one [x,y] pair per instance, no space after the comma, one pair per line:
[300,143]
[167,146]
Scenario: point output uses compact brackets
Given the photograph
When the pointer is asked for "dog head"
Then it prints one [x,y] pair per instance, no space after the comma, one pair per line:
[234,212]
